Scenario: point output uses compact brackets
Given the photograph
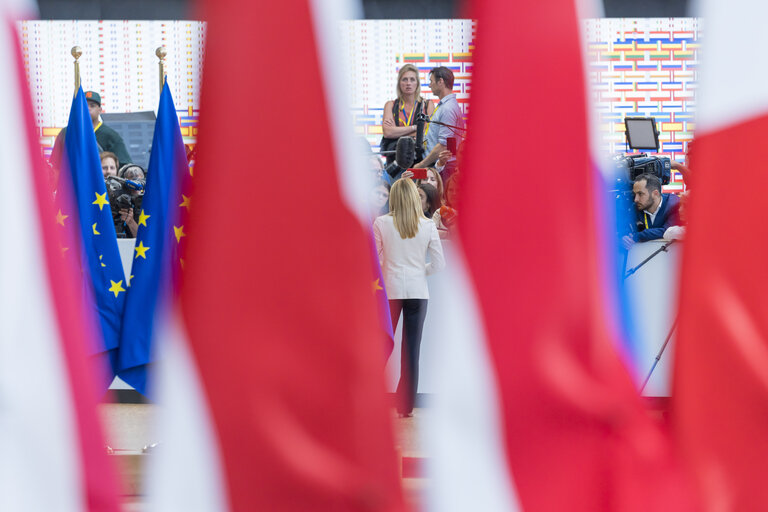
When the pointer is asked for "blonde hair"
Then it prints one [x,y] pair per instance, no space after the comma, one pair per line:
[417,92]
[405,207]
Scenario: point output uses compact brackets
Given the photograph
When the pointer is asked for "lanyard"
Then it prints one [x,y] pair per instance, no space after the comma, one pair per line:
[645,217]
[407,118]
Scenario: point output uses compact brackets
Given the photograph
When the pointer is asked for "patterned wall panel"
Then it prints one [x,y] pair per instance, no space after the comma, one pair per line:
[640,67]
[118,61]
[645,68]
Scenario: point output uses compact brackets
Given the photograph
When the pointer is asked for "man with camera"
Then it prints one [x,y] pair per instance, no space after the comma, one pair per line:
[446,112]
[655,211]
[126,192]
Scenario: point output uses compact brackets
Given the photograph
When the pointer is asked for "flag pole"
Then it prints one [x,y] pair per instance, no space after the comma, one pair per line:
[76,53]
[161,52]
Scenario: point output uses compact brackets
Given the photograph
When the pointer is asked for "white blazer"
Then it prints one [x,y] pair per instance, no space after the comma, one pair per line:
[404,261]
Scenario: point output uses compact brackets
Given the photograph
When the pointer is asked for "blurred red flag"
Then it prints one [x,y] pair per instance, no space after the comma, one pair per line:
[276,291]
[720,391]
[577,437]
[53,454]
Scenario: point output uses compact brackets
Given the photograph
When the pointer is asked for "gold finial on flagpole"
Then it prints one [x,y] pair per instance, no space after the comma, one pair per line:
[76,53]
[161,52]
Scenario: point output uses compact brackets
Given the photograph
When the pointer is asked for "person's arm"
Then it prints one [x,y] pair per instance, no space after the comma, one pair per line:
[435,249]
[442,159]
[451,118]
[431,157]
[441,229]
[674,233]
[672,218]
[390,129]
[130,222]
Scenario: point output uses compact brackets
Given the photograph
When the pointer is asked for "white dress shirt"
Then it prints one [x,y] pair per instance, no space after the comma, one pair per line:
[653,215]
[404,261]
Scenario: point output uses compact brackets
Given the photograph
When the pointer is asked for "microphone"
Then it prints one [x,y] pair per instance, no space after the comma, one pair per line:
[405,155]
[136,184]
[131,184]
[420,133]
[405,152]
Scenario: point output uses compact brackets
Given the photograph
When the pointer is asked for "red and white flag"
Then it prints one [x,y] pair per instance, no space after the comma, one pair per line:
[573,432]
[52,456]
[720,387]
[276,343]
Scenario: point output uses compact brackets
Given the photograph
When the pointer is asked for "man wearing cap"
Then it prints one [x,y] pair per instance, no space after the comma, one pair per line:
[106,138]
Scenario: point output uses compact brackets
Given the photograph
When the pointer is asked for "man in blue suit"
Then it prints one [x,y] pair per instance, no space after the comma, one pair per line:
[655,211]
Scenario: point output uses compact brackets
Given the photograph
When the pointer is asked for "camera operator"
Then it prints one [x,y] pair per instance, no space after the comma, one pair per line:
[655,211]
[126,192]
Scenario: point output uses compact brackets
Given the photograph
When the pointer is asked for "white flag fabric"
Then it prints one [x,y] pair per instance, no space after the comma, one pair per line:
[52,456]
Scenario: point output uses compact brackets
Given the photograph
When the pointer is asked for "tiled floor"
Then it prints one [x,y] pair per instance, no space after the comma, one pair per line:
[128,430]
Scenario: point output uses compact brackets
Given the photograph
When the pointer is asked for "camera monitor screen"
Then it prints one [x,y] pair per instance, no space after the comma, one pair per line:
[641,133]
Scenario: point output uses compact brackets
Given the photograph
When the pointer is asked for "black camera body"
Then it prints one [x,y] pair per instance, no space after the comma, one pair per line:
[636,165]
[123,195]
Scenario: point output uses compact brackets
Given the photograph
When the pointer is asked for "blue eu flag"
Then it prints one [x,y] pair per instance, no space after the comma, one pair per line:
[100,257]
[157,240]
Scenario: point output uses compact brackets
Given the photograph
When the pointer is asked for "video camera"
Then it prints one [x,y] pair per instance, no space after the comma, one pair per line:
[122,191]
[641,134]
[123,195]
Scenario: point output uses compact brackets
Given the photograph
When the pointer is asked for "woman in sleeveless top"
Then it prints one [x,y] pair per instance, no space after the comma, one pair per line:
[400,114]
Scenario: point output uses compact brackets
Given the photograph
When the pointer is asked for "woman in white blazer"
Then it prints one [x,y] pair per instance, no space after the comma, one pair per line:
[403,238]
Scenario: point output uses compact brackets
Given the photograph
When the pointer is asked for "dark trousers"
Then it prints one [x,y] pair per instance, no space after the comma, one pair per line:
[414,312]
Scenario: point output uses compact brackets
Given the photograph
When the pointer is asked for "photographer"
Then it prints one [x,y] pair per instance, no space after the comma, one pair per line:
[655,211]
[126,192]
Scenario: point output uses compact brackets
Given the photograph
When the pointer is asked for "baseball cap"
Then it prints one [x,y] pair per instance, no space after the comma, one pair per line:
[93,96]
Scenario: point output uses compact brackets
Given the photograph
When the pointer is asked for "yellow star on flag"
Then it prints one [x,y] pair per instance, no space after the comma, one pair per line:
[185,201]
[179,232]
[116,287]
[141,250]
[102,263]
[60,217]
[101,200]
[143,218]
[94,229]
[129,280]
[375,286]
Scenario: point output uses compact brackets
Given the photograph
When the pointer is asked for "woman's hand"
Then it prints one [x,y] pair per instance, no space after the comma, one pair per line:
[407,174]
[443,157]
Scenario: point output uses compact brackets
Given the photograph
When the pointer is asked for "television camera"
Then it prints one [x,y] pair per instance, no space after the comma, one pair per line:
[124,194]
[641,134]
